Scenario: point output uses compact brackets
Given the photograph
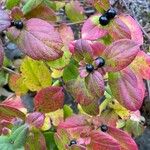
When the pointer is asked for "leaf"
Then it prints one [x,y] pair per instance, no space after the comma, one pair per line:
[10,4]
[134,128]
[30,5]
[16,84]
[141,65]
[16,13]
[95,84]
[36,141]
[67,111]
[101,5]
[76,125]
[57,74]
[42,12]
[63,29]
[120,54]
[35,119]
[1,54]
[135,30]
[70,72]
[126,142]
[92,30]
[11,108]
[50,141]
[74,11]
[125,88]
[49,99]
[120,110]
[61,62]
[103,141]
[5,143]
[4,20]
[38,39]
[3,78]
[19,136]
[36,75]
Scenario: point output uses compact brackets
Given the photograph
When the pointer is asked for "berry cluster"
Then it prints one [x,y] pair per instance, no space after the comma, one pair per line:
[105,18]
[18,24]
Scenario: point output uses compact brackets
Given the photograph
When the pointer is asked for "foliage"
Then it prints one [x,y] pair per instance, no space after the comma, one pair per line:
[103,72]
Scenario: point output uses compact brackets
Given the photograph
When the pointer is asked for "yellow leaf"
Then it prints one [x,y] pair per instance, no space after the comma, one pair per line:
[36,75]
[57,73]
[120,110]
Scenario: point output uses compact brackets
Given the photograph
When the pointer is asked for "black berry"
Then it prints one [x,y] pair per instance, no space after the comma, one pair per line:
[89,68]
[111,13]
[72,142]
[104,128]
[18,24]
[12,23]
[100,62]
[103,20]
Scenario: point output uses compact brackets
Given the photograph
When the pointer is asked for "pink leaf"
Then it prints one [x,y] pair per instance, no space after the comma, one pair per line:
[95,84]
[35,119]
[135,31]
[92,30]
[4,20]
[49,99]
[126,142]
[103,141]
[38,39]
[120,54]
[125,88]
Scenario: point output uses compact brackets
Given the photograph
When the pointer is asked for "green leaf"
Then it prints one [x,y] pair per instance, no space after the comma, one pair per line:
[67,111]
[70,72]
[74,11]
[19,136]
[3,78]
[5,143]
[11,3]
[36,74]
[61,62]
[31,4]
[50,142]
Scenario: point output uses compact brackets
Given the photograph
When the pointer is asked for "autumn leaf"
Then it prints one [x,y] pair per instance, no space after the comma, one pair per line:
[4,20]
[35,74]
[120,54]
[126,142]
[74,11]
[38,39]
[141,65]
[126,89]
[49,99]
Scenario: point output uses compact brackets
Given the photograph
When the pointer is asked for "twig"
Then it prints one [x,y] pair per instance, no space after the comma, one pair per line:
[70,24]
[9,70]
[132,14]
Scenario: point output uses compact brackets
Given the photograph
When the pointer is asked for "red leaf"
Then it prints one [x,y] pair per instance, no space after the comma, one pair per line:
[49,99]
[38,39]
[4,20]
[76,125]
[126,142]
[120,54]
[125,88]
[1,54]
[35,119]
[103,141]
[11,108]
[16,13]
